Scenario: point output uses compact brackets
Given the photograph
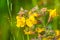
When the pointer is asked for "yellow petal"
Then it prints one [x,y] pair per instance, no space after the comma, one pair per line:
[57,32]
[20,22]
[52,13]
[29,23]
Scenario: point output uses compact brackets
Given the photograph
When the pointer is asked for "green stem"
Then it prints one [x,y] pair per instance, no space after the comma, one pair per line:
[27,37]
[9,11]
[23,37]
[18,36]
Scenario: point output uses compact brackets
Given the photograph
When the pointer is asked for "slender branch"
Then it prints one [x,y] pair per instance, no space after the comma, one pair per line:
[9,11]
[27,37]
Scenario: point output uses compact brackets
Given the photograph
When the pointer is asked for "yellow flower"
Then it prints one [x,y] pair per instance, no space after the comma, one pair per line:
[28,32]
[30,12]
[29,23]
[35,14]
[52,13]
[20,21]
[44,39]
[57,32]
[18,18]
[39,30]
[58,39]
[32,19]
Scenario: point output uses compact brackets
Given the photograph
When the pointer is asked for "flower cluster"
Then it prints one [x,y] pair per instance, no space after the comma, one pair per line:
[33,22]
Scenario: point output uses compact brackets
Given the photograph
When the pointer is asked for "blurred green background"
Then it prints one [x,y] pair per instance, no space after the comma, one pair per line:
[9,10]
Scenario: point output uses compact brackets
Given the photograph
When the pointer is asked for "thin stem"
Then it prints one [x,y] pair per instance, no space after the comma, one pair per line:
[23,37]
[9,11]
[18,32]
[27,37]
